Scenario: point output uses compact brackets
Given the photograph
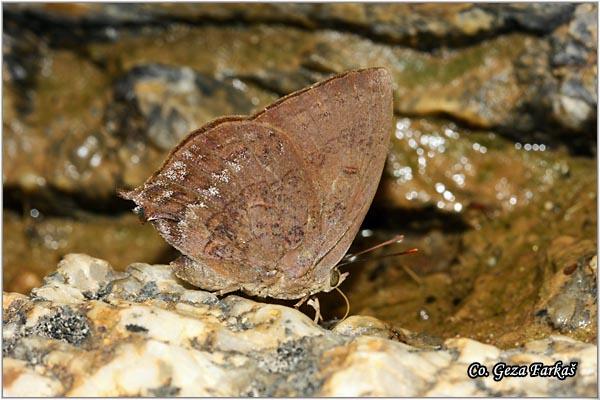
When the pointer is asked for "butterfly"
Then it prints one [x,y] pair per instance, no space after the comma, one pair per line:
[268,204]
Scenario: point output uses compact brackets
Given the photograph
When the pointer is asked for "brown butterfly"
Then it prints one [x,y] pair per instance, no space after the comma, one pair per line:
[270,203]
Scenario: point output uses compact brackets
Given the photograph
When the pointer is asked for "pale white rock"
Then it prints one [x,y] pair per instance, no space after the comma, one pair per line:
[59,292]
[91,331]
[372,366]
[472,351]
[84,272]
[20,380]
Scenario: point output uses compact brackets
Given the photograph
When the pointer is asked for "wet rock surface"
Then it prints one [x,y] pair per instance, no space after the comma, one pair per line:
[495,268]
[92,331]
[29,240]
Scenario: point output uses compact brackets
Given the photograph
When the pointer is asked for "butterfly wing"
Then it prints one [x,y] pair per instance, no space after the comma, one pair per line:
[342,126]
[270,203]
[236,199]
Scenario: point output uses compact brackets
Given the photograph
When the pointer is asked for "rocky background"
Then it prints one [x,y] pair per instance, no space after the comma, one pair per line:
[491,173]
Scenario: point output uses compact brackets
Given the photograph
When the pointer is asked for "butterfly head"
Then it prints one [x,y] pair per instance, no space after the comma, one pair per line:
[336,278]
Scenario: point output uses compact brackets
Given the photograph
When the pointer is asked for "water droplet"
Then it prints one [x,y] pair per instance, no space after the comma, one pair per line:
[366,233]
[448,195]
[238,84]
[411,195]
[82,151]
[110,32]
[403,174]
[40,181]
[459,179]
[451,133]
[95,160]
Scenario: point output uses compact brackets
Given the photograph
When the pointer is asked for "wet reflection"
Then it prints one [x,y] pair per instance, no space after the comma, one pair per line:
[433,162]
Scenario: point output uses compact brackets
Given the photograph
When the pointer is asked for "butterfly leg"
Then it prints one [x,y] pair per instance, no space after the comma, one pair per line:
[314,303]
[227,290]
[301,301]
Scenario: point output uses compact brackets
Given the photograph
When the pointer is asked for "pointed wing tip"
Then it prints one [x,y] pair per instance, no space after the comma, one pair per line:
[384,77]
[377,77]
[378,72]
[127,194]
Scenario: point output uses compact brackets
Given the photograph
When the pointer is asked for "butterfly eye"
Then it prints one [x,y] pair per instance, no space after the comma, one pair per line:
[334,278]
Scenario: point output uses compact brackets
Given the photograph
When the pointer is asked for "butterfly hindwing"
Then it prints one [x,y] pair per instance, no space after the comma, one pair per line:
[343,127]
[247,202]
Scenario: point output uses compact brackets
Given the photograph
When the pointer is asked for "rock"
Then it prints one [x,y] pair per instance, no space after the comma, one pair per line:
[488,270]
[574,61]
[156,106]
[415,25]
[569,297]
[54,144]
[363,325]
[503,83]
[145,333]
[172,101]
[377,367]
[534,17]
[96,94]
[438,164]
[359,325]
[519,264]
[477,85]
[34,241]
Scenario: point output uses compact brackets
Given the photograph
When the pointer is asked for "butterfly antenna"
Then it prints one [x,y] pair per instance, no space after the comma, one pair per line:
[347,303]
[355,259]
[395,239]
